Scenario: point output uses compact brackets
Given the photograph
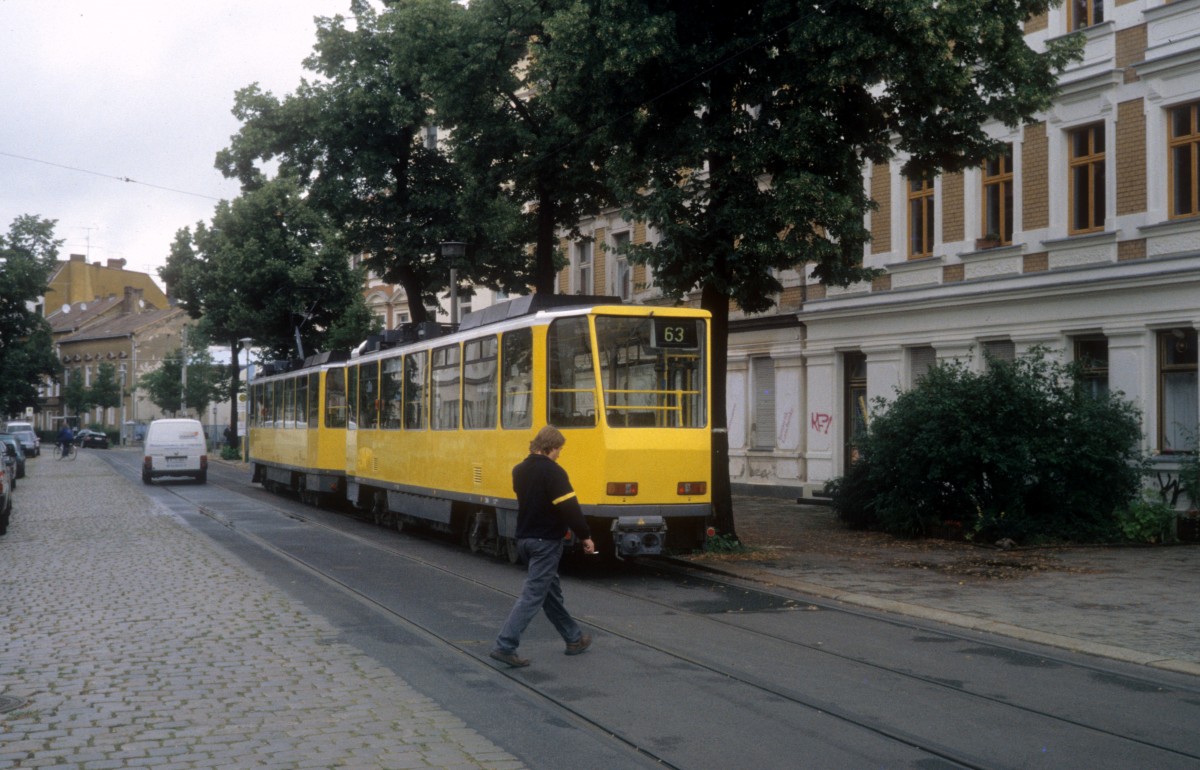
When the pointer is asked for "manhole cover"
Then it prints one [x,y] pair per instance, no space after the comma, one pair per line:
[9,703]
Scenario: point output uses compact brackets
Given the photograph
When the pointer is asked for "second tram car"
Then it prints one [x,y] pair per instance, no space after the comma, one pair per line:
[431,424]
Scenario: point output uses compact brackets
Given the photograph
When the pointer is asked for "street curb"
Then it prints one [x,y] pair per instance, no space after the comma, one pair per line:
[956,619]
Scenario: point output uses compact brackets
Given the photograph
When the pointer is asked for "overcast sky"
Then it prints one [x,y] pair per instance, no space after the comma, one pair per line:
[94,92]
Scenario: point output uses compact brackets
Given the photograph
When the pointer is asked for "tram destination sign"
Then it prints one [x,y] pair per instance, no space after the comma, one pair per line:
[675,333]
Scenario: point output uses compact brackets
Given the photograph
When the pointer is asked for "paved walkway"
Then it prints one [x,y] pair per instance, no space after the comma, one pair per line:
[129,640]
[1136,604]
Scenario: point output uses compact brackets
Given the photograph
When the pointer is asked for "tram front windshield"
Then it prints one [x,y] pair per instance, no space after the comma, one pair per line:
[652,371]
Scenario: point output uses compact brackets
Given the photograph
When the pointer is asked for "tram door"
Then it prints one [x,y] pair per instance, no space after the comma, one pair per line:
[855,407]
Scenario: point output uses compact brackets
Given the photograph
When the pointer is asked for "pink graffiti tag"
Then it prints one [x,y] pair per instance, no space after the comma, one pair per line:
[821,422]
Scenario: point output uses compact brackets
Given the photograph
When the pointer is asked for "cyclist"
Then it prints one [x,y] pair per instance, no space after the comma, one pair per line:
[66,437]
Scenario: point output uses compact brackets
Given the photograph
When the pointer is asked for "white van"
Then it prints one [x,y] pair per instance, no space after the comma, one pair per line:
[175,448]
[27,436]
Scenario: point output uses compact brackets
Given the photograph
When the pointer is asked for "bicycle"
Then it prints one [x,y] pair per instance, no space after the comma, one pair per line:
[70,454]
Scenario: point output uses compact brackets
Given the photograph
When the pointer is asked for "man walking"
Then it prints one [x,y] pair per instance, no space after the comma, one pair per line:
[546,507]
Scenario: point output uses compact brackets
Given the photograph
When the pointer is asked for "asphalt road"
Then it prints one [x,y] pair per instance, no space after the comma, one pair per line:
[689,670]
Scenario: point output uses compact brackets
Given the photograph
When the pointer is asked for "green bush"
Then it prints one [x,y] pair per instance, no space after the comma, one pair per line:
[1148,520]
[230,453]
[1021,451]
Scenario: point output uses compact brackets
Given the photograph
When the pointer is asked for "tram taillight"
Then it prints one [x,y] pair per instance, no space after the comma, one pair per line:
[622,488]
[691,488]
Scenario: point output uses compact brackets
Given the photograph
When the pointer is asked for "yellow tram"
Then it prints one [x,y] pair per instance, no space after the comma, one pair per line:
[431,424]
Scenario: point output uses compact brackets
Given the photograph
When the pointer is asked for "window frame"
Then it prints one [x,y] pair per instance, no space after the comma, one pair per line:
[1094,189]
[998,180]
[1092,14]
[1164,371]
[921,209]
[1189,142]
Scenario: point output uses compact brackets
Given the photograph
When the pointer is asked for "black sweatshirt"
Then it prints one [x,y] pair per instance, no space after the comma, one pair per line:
[546,502]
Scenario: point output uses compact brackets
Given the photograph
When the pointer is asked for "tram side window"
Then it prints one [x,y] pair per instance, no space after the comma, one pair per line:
[289,403]
[414,390]
[479,383]
[572,378]
[314,393]
[446,380]
[335,398]
[391,392]
[352,404]
[277,403]
[301,401]
[368,395]
[517,367]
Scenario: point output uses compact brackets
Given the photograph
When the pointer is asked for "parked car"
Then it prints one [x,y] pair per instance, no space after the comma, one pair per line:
[5,499]
[91,439]
[28,438]
[175,448]
[18,452]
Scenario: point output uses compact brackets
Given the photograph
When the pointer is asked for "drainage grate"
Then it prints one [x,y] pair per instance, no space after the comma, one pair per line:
[9,703]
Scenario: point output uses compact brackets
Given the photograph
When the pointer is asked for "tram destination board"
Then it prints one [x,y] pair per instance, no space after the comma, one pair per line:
[675,333]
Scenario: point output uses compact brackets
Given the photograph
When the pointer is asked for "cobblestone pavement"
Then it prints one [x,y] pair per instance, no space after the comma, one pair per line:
[128,640]
[1136,604]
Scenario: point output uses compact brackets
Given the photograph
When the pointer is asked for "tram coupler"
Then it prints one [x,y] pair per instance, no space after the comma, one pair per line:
[639,535]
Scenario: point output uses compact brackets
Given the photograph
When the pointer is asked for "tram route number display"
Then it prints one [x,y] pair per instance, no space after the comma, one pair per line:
[674,333]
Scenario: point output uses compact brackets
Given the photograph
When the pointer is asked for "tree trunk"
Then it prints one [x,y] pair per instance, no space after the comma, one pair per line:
[722,491]
[544,275]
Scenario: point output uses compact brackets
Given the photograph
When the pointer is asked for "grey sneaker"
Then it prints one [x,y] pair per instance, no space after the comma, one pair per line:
[511,658]
[574,648]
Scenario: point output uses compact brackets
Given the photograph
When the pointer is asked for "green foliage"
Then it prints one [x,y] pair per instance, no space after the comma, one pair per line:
[230,453]
[206,381]
[27,259]
[77,395]
[106,387]
[1147,520]
[723,544]
[1019,451]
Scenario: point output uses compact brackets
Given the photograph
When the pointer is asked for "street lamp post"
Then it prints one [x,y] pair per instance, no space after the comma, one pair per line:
[453,250]
[246,342]
[123,440]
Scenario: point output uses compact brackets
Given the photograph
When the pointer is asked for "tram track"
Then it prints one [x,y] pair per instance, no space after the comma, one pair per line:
[675,653]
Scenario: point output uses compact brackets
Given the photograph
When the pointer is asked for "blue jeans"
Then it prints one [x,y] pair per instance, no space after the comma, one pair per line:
[541,591]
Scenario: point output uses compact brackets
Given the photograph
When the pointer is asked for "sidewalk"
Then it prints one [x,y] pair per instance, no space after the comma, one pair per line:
[1135,604]
[128,640]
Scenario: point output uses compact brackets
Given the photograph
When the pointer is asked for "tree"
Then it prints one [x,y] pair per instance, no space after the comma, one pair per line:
[106,388]
[207,381]
[27,259]
[77,395]
[355,140]
[520,150]
[271,268]
[739,131]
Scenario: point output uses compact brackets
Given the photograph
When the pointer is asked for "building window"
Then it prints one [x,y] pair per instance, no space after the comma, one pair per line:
[855,404]
[998,197]
[999,350]
[920,361]
[623,270]
[583,267]
[1086,187]
[1084,13]
[920,218]
[762,422]
[1183,170]
[1091,355]
[1178,415]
